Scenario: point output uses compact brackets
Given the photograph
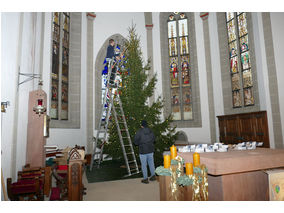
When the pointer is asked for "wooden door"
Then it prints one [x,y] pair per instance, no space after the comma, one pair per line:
[261,129]
[246,132]
[222,129]
[244,127]
[231,130]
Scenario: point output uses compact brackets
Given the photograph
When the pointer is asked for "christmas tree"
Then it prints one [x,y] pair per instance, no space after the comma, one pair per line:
[135,90]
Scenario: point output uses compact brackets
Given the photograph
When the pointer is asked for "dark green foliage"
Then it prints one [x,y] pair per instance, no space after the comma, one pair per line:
[135,92]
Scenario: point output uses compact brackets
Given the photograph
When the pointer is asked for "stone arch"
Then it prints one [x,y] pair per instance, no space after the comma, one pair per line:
[181,138]
[99,65]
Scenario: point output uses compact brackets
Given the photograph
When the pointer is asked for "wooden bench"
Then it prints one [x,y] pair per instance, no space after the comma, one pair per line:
[32,184]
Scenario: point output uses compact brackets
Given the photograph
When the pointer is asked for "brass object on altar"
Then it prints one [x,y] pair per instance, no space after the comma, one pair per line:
[204,183]
[177,171]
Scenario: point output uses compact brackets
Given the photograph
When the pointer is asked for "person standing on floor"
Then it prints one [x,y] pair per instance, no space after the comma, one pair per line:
[145,140]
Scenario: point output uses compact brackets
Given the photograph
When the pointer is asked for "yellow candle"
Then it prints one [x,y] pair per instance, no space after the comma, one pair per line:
[188,168]
[196,159]
[167,161]
[173,152]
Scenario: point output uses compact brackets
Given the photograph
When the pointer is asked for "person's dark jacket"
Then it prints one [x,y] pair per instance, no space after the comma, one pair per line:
[145,140]
[110,51]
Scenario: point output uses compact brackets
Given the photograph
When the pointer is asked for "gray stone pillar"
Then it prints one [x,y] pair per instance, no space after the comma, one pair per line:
[149,27]
[204,17]
[90,81]
[273,85]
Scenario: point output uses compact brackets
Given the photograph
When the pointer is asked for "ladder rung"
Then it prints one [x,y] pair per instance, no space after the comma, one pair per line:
[130,153]
[132,170]
[133,161]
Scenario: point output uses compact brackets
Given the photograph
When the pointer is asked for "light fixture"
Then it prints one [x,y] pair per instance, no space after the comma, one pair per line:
[39,108]
[4,106]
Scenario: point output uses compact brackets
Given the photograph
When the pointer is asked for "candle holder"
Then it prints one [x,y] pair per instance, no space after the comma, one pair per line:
[39,108]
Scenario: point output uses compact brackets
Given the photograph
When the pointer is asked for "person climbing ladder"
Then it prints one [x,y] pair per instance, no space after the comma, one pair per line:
[113,56]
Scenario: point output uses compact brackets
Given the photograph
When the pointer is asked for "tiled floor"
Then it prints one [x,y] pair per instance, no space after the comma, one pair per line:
[121,190]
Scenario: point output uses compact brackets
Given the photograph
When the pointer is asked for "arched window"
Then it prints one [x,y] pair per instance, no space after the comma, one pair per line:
[179,68]
[65,79]
[101,74]
[60,66]
[240,60]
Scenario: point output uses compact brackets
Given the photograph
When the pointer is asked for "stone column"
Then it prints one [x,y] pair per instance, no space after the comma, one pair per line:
[204,17]
[90,81]
[272,83]
[149,27]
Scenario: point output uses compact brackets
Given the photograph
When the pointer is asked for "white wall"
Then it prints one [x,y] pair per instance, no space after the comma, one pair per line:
[27,61]
[9,68]
[157,53]
[107,24]
[19,39]
[277,28]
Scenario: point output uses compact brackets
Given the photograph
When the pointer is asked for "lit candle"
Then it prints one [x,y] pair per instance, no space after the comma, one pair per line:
[167,161]
[39,102]
[188,168]
[196,159]
[173,152]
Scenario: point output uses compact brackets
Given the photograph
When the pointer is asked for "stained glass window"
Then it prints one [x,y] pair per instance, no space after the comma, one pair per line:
[60,66]
[239,58]
[179,67]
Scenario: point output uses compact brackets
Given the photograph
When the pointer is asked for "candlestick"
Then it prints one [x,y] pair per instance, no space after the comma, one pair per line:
[188,168]
[173,152]
[167,161]
[196,159]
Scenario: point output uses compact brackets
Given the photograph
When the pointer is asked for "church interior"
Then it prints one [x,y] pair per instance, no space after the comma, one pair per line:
[218,75]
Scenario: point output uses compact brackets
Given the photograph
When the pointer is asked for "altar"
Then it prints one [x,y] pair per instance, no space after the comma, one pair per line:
[239,175]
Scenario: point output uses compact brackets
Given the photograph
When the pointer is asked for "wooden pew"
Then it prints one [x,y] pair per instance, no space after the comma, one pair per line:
[44,175]
[32,184]
[27,189]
